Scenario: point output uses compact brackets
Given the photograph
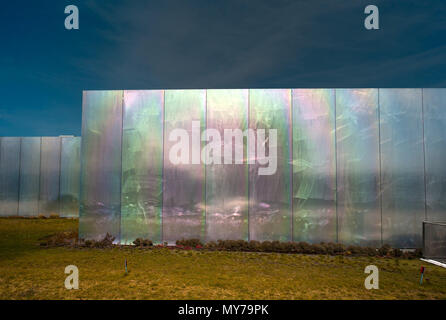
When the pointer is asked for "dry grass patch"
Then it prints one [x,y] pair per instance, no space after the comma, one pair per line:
[30,271]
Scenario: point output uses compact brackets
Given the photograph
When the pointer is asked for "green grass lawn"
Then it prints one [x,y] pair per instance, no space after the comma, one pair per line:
[28,271]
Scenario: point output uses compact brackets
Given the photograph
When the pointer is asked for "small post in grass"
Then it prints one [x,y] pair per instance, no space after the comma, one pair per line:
[125,265]
[422,274]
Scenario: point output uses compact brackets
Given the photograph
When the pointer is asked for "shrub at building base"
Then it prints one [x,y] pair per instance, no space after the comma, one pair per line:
[71,239]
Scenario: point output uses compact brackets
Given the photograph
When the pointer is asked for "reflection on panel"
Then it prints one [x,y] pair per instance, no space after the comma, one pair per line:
[142,166]
[434,102]
[100,197]
[314,165]
[270,209]
[357,143]
[29,176]
[69,176]
[227,175]
[402,166]
[49,176]
[350,168]
[183,196]
[9,175]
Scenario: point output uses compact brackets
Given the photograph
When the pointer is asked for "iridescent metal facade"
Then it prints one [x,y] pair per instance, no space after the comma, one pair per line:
[357,169]
[39,176]
[70,169]
[142,172]
[270,210]
[402,166]
[183,184]
[101,164]
[356,166]
[227,185]
[314,165]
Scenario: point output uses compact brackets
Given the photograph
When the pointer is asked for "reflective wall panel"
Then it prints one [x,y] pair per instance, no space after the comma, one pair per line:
[227,175]
[270,208]
[357,150]
[70,176]
[9,175]
[100,197]
[314,165]
[402,166]
[49,176]
[30,176]
[184,190]
[142,166]
[350,165]
[434,104]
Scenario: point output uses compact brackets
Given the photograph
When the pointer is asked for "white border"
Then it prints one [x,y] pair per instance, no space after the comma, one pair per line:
[434,262]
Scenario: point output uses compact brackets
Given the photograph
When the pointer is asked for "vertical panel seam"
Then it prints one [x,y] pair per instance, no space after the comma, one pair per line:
[1,185]
[336,165]
[424,155]
[1,174]
[19,177]
[204,233]
[40,177]
[247,158]
[162,171]
[120,174]
[81,165]
[60,173]
[380,170]
[291,164]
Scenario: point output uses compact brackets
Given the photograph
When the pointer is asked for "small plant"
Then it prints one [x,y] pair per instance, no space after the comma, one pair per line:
[305,247]
[384,250]
[60,239]
[253,245]
[354,249]
[319,249]
[189,243]
[418,253]
[397,253]
[139,242]
[371,252]
[211,245]
[107,242]
[266,246]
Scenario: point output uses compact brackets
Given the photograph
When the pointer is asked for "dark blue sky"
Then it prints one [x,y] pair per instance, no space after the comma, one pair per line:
[205,44]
